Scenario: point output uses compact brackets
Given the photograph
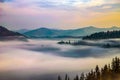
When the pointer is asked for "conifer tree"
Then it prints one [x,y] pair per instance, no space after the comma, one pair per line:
[97,71]
[82,77]
[59,77]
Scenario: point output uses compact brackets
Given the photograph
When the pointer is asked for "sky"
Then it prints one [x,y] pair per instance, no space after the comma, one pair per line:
[59,14]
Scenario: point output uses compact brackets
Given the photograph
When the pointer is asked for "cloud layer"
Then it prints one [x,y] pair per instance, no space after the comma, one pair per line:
[56,14]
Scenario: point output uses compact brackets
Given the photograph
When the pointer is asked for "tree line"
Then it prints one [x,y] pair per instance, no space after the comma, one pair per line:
[108,72]
[103,35]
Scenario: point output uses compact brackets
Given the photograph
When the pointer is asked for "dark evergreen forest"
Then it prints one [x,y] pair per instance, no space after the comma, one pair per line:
[108,72]
[103,35]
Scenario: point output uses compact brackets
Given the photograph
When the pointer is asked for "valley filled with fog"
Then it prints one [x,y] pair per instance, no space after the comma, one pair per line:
[44,59]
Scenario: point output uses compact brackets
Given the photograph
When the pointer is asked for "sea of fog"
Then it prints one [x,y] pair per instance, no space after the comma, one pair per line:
[42,59]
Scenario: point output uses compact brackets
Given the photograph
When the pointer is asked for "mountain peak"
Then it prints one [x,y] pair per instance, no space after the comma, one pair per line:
[5,32]
[2,29]
[22,30]
[43,28]
[91,27]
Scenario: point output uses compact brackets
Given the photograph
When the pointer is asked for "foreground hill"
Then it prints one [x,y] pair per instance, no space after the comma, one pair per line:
[6,34]
[54,33]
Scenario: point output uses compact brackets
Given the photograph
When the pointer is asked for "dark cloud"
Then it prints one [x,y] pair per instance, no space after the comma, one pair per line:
[5,1]
[105,7]
[2,0]
[52,5]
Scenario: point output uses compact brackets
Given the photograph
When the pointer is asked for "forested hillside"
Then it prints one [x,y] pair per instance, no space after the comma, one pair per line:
[104,35]
[108,72]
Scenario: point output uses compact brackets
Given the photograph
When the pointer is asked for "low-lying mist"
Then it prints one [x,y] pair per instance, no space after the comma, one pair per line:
[45,57]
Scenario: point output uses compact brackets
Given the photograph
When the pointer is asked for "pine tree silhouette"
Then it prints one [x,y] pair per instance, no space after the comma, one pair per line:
[59,78]
[108,72]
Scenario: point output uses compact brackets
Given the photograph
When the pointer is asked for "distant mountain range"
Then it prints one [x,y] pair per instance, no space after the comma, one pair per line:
[6,34]
[51,33]
[22,31]
[55,33]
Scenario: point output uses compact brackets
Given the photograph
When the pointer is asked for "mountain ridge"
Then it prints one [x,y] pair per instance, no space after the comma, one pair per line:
[46,32]
[22,30]
[6,34]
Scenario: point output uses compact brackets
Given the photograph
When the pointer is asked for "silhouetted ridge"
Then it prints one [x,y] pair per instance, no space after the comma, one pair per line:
[6,35]
[5,32]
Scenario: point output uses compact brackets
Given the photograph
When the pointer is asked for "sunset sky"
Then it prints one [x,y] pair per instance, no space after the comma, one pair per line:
[59,14]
